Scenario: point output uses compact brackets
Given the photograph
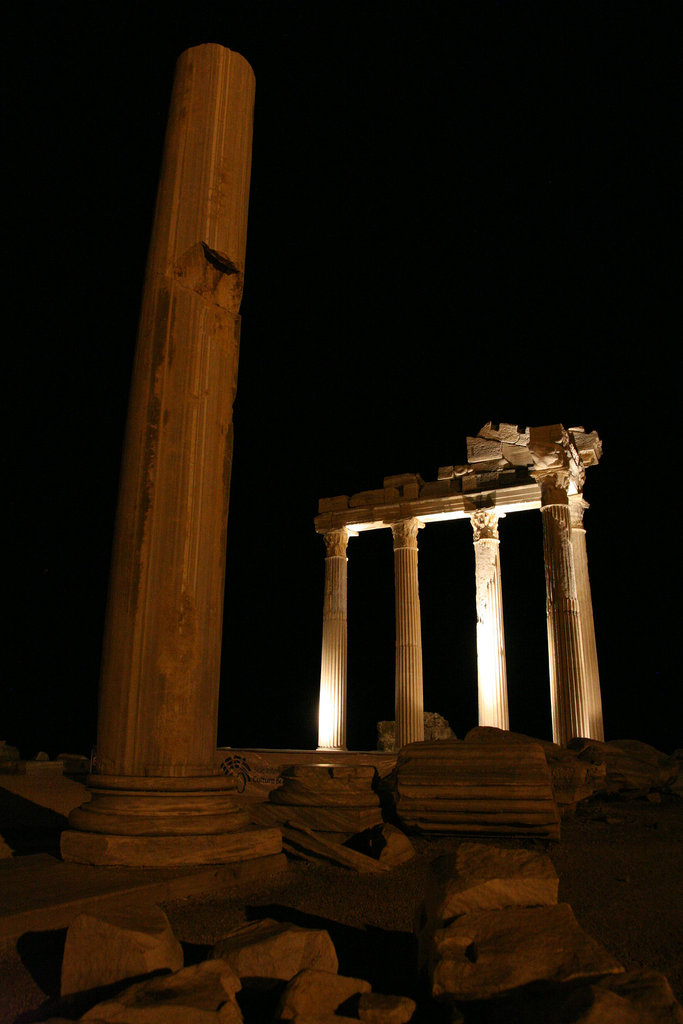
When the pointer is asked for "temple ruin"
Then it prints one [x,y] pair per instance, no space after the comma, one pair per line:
[508,470]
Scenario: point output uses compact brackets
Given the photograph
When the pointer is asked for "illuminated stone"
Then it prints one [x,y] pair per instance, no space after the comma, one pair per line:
[491,670]
[408,692]
[333,663]
[156,775]
[591,677]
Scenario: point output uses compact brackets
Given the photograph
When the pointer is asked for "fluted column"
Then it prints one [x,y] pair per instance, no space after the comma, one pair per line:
[591,683]
[491,670]
[408,692]
[332,708]
[158,796]
[565,645]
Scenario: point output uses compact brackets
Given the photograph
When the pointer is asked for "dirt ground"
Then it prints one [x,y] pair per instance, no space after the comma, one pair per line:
[620,865]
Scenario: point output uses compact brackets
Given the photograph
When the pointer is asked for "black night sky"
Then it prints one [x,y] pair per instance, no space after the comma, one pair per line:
[458,213]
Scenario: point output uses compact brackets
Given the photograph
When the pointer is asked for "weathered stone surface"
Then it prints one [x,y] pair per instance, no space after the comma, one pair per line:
[75,764]
[204,994]
[492,952]
[375,1008]
[324,797]
[647,992]
[272,950]
[471,787]
[153,851]
[435,728]
[394,846]
[110,945]
[631,767]
[8,753]
[318,992]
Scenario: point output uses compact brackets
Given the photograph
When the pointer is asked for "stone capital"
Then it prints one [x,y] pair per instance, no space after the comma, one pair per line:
[577,507]
[485,524]
[405,533]
[335,542]
[554,484]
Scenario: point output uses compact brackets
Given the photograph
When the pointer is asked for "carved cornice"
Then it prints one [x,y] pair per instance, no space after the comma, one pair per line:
[335,543]
[485,524]
[405,533]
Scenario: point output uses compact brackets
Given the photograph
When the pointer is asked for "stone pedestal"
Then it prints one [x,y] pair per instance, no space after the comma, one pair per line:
[157,794]
[565,644]
[591,683]
[332,708]
[409,691]
[491,669]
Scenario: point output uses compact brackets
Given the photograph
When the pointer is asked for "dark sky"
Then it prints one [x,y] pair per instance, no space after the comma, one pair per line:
[459,213]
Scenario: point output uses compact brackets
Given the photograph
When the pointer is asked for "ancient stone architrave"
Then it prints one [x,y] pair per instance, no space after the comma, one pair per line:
[593,698]
[333,662]
[491,669]
[158,795]
[509,469]
[408,686]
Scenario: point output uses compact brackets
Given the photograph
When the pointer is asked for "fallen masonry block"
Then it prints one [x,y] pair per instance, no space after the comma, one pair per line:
[268,951]
[103,947]
[303,842]
[375,1008]
[476,788]
[203,994]
[494,952]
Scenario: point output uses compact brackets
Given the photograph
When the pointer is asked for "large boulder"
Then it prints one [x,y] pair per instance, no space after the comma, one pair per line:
[203,994]
[476,787]
[268,951]
[318,992]
[494,952]
[375,1008]
[106,946]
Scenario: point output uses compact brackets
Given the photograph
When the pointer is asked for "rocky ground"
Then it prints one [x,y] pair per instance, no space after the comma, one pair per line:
[619,861]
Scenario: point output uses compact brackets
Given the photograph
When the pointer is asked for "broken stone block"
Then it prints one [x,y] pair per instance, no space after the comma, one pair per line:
[365,499]
[472,787]
[435,728]
[8,753]
[263,951]
[483,877]
[327,798]
[375,1008]
[507,432]
[481,449]
[517,455]
[203,994]
[646,992]
[106,946]
[589,446]
[318,992]
[629,769]
[386,843]
[75,764]
[494,952]
[336,504]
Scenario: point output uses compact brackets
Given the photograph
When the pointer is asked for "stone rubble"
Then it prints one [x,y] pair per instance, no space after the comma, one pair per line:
[269,951]
[318,992]
[435,728]
[329,798]
[106,946]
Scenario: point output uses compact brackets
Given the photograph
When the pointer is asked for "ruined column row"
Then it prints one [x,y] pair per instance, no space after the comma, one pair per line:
[576,705]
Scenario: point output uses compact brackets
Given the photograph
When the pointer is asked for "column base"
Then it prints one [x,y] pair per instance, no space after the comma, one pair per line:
[323,750]
[148,821]
[168,851]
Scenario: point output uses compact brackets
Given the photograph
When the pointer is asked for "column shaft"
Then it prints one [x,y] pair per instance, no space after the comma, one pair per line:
[591,681]
[408,686]
[565,646]
[491,667]
[333,662]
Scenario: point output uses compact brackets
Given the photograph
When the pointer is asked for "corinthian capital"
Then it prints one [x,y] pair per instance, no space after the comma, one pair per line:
[335,543]
[577,506]
[554,484]
[405,533]
[485,524]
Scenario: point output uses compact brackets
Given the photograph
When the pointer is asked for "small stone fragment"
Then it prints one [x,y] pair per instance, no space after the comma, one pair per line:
[318,992]
[268,950]
[106,946]
[375,1008]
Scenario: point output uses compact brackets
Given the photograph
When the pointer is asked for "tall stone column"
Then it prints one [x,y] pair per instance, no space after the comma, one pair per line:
[157,794]
[332,709]
[591,682]
[491,669]
[409,691]
[565,644]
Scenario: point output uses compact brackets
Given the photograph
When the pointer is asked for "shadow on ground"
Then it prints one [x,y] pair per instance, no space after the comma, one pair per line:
[27,827]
